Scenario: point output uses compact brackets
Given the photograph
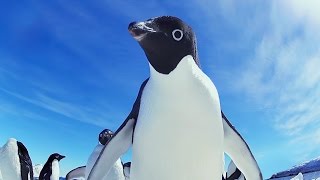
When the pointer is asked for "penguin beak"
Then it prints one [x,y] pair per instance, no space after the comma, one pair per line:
[61,157]
[138,30]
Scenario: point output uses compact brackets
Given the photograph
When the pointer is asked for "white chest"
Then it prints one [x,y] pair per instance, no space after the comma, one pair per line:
[55,170]
[179,131]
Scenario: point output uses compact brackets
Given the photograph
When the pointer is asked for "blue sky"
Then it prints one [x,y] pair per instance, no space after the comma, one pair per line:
[69,69]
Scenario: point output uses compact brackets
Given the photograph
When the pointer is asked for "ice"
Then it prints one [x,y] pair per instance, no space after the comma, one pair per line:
[310,171]
[298,177]
[37,169]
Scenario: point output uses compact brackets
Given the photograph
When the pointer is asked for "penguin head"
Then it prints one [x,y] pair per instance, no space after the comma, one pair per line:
[56,156]
[105,136]
[127,165]
[165,41]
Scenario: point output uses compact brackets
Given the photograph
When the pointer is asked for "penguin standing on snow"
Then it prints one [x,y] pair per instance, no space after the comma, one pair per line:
[15,162]
[115,173]
[51,169]
[180,99]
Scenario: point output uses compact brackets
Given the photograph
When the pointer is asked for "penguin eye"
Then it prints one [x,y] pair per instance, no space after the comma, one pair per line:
[177,34]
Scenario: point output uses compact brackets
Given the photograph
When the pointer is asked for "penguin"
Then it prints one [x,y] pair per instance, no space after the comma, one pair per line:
[51,169]
[15,162]
[234,173]
[115,173]
[182,100]
[126,170]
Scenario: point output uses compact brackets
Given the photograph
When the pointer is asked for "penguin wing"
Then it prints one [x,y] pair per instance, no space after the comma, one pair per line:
[25,162]
[239,151]
[78,172]
[45,172]
[44,176]
[119,143]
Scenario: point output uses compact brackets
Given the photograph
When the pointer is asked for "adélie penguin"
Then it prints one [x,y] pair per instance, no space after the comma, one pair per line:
[126,170]
[180,99]
[114,173]
[51,169]
[15,162]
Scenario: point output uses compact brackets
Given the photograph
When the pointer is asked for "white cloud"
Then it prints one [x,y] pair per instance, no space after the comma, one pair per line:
[100,116]
[283,73]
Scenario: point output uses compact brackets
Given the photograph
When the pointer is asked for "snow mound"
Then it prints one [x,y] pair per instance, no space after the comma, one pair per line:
[298,177]
[37,169]
[307,167]
[9,160]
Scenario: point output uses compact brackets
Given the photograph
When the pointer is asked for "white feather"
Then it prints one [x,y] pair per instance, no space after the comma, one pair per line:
[55,170]
[179,132]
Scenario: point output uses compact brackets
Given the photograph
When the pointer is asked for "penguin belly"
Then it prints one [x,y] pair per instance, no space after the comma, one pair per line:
[179,132]
[9,161]
[55,170]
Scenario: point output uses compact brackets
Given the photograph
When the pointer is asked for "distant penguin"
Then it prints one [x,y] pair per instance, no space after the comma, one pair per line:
[51,169]
[15,162]
[115,173]
[180,99]
[126,170]
[234,173]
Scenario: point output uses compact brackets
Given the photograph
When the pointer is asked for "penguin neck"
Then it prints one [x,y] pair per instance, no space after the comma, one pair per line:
[186,69]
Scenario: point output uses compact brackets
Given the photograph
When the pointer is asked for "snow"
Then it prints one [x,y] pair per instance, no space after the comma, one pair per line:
[298,177]
[37,169]
[9,160]
[309,170]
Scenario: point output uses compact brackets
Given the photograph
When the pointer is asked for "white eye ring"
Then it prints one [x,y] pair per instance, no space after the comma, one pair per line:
[177,38]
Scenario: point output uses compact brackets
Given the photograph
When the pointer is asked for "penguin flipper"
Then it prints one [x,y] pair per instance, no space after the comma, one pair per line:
[119,143]
[79,172]
[25,162]
[239,151]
